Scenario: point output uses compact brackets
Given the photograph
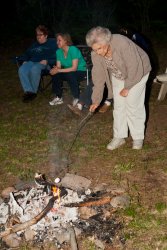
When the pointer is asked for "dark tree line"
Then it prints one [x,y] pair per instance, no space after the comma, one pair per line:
[77,16]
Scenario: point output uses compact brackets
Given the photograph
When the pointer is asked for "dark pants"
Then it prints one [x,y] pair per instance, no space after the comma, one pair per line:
[85,97]
[73,79]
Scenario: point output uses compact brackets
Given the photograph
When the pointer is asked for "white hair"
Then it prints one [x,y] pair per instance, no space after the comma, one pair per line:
[98,35]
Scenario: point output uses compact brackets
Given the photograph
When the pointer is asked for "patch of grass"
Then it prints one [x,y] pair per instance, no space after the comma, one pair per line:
[140,221]
[146,147]
[124,167]
[89,245]
[26,174]
[142,224]
[130,211]
[160,206]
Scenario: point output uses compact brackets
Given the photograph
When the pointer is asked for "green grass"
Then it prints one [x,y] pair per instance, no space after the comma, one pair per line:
[160,206]
[125,167]
[141,221]
[89,245]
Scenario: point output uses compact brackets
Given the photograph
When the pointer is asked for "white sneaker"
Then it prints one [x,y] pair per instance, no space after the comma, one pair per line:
[56,101]
[75,101]
[137,144]
[108,103]
[115,143]
[79,106]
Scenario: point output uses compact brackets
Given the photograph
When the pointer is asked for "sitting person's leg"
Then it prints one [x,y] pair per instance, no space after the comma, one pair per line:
[107,100]
[24,76]
[73,78]
[84,100]
[85,97]
[57,89]
[106,105]
[35,75]
[30,74]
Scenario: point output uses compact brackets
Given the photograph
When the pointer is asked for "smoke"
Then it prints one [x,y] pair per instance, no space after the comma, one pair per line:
[62,126]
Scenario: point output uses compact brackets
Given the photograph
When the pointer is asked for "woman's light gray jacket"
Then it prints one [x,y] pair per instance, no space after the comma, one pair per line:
[129,58]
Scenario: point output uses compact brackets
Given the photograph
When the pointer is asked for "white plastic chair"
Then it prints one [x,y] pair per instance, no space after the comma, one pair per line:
[162,79]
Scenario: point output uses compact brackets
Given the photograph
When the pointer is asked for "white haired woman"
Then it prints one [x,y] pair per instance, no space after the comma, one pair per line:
[125,66]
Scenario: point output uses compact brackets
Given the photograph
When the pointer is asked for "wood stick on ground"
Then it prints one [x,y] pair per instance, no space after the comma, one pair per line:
[99,202]
[18,227]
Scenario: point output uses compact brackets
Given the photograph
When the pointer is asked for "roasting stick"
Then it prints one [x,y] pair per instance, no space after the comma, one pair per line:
[81,125]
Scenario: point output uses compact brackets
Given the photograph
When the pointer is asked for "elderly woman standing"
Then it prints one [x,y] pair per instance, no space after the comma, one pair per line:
[121,63]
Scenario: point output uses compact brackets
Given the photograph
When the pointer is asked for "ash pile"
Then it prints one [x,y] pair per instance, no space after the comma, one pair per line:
[61,213]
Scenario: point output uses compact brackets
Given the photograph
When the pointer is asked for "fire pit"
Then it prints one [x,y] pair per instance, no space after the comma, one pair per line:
[50,212]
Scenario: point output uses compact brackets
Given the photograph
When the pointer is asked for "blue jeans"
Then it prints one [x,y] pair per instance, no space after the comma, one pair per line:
[30,75]
[73,79]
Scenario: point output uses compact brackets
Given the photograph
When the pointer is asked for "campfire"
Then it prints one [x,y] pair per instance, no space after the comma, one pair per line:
[52,212]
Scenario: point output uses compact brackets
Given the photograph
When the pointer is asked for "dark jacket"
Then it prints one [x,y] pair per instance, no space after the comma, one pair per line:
[38,52]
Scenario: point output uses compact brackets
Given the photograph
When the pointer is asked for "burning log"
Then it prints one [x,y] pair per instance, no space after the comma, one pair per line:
[99,202]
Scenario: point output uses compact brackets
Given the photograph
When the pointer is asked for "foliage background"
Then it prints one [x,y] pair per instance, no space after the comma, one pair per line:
[18,18]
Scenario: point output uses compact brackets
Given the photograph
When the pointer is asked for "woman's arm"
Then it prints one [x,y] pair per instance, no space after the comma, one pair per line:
[98,78]
[73,68]
[57,69]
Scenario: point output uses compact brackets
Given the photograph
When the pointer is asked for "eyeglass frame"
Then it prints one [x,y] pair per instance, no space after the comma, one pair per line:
[40,34]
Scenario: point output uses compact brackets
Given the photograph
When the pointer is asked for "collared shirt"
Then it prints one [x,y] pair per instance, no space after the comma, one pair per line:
[73,53]
[115,71]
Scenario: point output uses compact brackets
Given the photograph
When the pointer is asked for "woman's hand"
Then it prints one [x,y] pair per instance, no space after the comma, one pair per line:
[71,69]
[44,62]
[124,92]
[54,70]
[93,107]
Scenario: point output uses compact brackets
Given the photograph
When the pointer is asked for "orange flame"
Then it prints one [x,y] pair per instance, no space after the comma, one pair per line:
[56,192]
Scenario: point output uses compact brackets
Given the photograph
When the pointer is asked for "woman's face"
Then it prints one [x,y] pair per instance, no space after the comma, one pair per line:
[61,42]
[100,49]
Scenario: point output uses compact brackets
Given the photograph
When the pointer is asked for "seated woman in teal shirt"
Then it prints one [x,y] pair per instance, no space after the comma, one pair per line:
[70,67]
